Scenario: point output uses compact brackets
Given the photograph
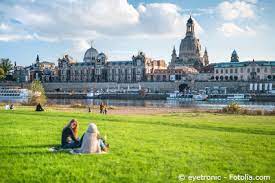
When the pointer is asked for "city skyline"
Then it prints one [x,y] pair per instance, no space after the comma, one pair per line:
[29,27]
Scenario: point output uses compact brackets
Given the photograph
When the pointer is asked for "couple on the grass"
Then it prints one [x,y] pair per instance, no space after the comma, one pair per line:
[90,142]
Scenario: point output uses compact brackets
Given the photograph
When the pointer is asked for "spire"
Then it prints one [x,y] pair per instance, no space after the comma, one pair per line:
[174,50]
[174,55]
[37,59]
[205,51]
[92,42]
[205,57]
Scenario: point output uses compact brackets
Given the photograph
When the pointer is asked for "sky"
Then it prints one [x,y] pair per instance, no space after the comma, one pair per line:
[122,28]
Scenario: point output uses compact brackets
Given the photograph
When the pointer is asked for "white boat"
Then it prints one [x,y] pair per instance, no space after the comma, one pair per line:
[187,97]
[200,97]
[237,97]
[12,93]
[229,97]
[92,94]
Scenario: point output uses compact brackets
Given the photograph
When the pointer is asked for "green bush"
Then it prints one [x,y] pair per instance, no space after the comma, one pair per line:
[232,108]
[37,93]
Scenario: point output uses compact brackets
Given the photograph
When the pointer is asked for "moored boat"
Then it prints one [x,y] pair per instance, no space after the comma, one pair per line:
[14,93]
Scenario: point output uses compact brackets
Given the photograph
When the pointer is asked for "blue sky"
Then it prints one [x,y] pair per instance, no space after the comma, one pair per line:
[121,28]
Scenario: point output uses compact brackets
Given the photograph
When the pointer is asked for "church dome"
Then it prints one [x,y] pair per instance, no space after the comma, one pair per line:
[234,57]
[102,56]
[90,54]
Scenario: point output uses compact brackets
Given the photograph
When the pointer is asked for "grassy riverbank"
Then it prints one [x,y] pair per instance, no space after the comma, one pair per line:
[144,148]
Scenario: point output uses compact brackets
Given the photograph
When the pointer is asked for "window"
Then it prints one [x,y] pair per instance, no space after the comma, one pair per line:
[236,70]
[265,70]
[231,71]
[248,70]
[226,71]
[221,71]
[158,77]
[217,71]
[258,70]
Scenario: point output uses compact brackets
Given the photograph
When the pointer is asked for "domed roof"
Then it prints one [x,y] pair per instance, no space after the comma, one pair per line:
[90,54]
[102,56]
[234,57]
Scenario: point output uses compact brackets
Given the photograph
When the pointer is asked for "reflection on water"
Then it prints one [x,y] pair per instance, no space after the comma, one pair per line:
[157,103]
[166,103]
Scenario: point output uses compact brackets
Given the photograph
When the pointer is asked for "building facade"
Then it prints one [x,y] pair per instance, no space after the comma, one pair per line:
[96,68]
[244,71]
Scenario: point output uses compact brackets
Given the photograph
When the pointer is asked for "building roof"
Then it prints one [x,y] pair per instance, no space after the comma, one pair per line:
[244,63]
[120,62]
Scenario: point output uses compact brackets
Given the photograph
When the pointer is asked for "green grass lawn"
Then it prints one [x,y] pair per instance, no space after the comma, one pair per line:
[143,148]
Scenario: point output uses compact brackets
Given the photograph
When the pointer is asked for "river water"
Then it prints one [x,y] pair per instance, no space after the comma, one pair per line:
[157,103]
[165,103]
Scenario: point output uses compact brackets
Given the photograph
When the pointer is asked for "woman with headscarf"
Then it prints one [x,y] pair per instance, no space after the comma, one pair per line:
[92,143]
[69,137]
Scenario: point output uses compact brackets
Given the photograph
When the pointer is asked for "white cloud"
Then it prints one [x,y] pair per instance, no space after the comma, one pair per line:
[79,46]
[90,19]
[163,18]
[12,37]
[233,30]
[238,9]
[4,27]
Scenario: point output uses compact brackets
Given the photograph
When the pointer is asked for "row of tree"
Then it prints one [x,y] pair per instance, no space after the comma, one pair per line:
[5,67]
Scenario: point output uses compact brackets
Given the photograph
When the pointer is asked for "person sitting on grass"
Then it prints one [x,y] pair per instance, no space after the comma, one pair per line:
[39,107]
[92,142]
[11,107]
[69,137]
[7,107]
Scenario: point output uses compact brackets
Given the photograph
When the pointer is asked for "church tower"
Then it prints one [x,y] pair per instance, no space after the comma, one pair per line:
[234,57]
[174,55]
[190,31]
[205,58]
[190,48]
[37,59]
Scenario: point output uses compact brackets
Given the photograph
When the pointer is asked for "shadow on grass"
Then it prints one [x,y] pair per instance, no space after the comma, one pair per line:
[30,146]
[26,153]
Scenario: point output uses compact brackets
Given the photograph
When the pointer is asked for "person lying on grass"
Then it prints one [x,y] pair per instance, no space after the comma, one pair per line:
[69,137]
[92,142]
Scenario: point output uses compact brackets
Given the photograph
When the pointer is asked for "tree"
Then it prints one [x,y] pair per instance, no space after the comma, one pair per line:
[37,93]
[2,73]
[6,65]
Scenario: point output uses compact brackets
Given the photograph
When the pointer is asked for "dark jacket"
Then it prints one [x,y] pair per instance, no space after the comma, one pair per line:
[68,136]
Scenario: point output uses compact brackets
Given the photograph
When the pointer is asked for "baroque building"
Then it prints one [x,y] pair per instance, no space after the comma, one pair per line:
[245,70]
[96,68]
[189,50]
